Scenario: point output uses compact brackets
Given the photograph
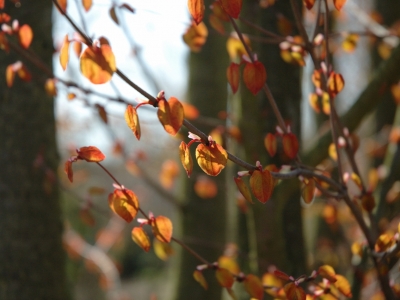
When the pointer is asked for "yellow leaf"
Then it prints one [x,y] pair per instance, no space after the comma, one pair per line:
[211,159]
[162,250]
[162,229]
[171,115]
[196,36]
[132,119]
[87,4]
[140,237]
[198,276]
[124,203]
[64,53]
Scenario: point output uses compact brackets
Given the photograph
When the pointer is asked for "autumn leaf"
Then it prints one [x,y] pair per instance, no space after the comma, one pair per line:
[68,170]
[140,237]
[281,275]
[124,203]
[63,4]
[253,286]
[224,277]
[64,53]
[98,64]
[195,36]
[384,242]
[309,3]
[262,185]
[339,4]
[171,115]
[294,292]
[232,7]
[235,47]
[254,76]
[90,154]
[196,9]
[162,229]
[343,285]
[229,263]
[190,111]
[308,190]
[211,159]
[113,15]
[199,277]
[326,271]
[219,12]
[50,87]
[205,187]
[25,36]
[186,158]
[102,113]
[350,42]
[335,84]
[87,4]
[270,144]
[132,119]
[290,145]
[216,23]
[10,75]
[162,250]
[233,75]
[243,189]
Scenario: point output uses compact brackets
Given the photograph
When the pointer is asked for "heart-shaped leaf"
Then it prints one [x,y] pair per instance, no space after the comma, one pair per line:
[254,76]
[140,237]
[211,159]
[171,115]
[98,64]
[124,203]
[90,154]
[162,229]
[262,185]
[233,75]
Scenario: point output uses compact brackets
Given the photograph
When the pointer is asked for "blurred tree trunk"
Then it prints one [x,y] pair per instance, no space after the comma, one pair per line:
[204,220]
[32,259]
[278,222]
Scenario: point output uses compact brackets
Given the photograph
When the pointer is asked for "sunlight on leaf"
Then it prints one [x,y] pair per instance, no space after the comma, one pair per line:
[124,203]
[162,229]
[140,237]
[171,115]
[90,154]
[186,158]
[196,36]
[199,277]
[211,159]
[196,9]
[98,64]
[224,277]
[25,36]
[132,119]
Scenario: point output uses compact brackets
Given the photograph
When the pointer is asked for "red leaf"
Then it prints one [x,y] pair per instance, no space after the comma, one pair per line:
[270,144]
[224,277]
[1,4]
[232,7]
[281,275]
[254,287]
[262,185]
[294,292]
[196,9]
[68,170]
[233,75]
[25,36]
[309,3]
[290,145]
[254,76]
[63,4]
[90,154]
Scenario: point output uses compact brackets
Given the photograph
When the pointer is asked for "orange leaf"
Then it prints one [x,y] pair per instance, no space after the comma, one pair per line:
[313,101]
[272,280]
[198,276]
[309,3]
[224,277]
[281,275]
[235,47]
[63,4]
[102,113]
[339,4]
[140,237]
[270,144]
[254,76]
[98,64]
[343,286]
[326,271]
[10,75]
[64,53]
[205,187]
[25,36]
[90,154]
[219,12]
[294,292]
[290,145]
[262,185]
[87,4]
[211,159]
[316,78]
[228,263]
[308,190]
[2,4]
[186,158]
[190,111]
[168,174]
[243,189]
[171,115]
[253,286]
[196,36]
[216,23]
[162,250]
[196,9]
[77,47]
[384,242]
[233,75]
[132,119]
[68,170]
[232,7]
[50,87]
[335,84]
[124,203]
[162,229]
[24,74]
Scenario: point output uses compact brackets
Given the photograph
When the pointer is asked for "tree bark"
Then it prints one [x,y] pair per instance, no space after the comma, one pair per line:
[32,259]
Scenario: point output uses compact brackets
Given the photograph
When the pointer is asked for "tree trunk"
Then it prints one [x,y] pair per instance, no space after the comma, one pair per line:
[32,259]
[204,221]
